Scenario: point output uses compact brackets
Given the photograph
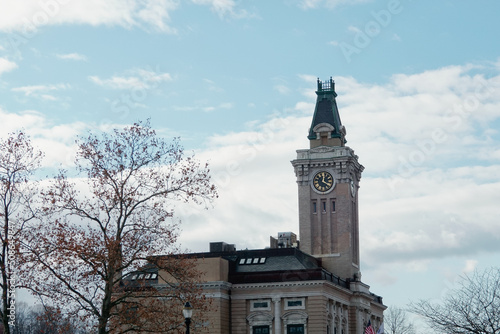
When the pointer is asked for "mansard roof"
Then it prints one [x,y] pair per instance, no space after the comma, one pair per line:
[260,266]
[326,110]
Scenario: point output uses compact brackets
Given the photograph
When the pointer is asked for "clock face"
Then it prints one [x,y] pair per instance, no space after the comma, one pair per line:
[323,181]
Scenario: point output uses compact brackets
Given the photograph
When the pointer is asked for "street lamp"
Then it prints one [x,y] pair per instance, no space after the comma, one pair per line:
[187,312]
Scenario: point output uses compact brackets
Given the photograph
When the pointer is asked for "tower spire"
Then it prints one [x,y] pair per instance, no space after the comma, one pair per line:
[326,128]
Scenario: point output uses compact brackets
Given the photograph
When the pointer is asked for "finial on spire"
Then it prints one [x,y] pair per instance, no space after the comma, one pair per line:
[326,87]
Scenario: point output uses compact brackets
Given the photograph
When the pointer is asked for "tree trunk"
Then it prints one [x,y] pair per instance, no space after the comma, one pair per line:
[5,282]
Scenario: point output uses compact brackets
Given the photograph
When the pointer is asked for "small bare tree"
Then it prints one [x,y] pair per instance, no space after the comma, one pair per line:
[113,219]
[38,319]
[18,161]
[474,307]
[396,322]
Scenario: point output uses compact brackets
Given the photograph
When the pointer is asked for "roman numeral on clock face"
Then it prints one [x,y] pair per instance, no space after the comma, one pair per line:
[323,181]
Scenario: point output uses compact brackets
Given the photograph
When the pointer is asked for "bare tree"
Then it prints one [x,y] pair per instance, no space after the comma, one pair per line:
[49,320]
[396,322]
[111,221]
[24,319]
[473,307]
[38,319]
[18,161]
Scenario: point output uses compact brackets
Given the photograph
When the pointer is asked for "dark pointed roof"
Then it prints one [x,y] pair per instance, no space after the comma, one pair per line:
[326,110]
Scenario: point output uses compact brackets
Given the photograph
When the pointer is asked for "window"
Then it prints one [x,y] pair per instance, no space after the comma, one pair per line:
[295,304]
[314,207]
[260,322]
[295,329]
[260,305]
[154,276]
[253,260]
[131,314]
[323,206]
[333,205]
[260,330]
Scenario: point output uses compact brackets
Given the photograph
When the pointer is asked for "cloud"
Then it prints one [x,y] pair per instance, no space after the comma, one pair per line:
[6,65]
[133,79]
[224,105]
[29,16]
[423,197]
[56,141]
[41,91]
[354,29]
[470,266]
[307,4]
[282,89]
[429,142]
[201,105]
[224,8]
[157,14]
[308,78]
[331,4]
[72,56]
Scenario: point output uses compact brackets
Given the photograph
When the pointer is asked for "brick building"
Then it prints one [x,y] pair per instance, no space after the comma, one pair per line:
[308,286]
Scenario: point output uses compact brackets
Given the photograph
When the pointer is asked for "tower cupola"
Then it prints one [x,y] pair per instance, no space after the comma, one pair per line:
[326,128]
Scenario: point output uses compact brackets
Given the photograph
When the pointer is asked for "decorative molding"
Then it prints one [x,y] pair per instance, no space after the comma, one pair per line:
[277,285]
[322,149]
[260,319]
[327,255]
[295,317]
[216,285]
[297,293]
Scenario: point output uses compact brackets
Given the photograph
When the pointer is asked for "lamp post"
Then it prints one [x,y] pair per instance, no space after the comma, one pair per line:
[187,312]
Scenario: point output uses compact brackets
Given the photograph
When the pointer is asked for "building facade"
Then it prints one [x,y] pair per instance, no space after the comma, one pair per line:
[311,284]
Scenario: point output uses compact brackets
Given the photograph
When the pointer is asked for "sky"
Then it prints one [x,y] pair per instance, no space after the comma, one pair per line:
[418,86]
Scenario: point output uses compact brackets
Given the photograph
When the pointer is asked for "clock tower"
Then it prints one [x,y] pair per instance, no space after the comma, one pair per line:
[328,175]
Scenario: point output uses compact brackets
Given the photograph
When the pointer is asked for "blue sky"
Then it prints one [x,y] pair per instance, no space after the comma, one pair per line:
[418,88]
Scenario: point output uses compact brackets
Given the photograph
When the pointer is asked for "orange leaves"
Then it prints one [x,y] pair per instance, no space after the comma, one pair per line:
[111,220]
[18,161]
